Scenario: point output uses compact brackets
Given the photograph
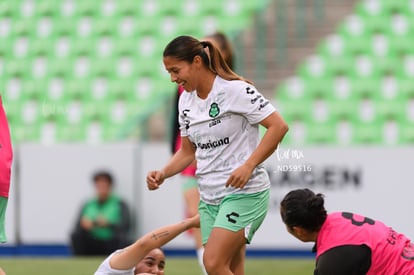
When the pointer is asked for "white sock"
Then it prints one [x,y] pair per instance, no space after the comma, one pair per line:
[200,253]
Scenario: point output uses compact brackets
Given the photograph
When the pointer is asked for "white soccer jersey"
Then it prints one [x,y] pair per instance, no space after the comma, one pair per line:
[106,269]
[224,130]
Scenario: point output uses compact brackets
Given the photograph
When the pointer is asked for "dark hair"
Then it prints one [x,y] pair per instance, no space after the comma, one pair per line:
[103,175]
[185,48]
[303,208]
[224,46]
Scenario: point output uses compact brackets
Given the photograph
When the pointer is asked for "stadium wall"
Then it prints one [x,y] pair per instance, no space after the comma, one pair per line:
[51,182]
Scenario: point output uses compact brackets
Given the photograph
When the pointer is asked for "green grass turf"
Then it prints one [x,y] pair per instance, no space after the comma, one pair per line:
[175,266]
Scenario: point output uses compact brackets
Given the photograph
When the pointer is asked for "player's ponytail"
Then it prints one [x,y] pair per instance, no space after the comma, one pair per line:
[185,48]
[218,65]
[303,208]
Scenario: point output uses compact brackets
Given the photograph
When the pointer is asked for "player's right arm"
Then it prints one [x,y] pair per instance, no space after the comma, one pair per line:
[180,160]
[130,256]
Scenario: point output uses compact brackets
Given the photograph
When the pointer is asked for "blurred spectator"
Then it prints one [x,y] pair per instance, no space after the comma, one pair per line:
[104,221]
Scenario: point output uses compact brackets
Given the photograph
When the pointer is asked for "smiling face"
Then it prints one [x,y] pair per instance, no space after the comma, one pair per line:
[182,72]
[153,263]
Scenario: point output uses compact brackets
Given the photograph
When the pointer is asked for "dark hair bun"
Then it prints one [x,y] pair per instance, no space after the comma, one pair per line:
[316,202]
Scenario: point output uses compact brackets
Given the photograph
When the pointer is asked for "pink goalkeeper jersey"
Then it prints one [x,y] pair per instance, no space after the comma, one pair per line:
[392,252]
[6,154]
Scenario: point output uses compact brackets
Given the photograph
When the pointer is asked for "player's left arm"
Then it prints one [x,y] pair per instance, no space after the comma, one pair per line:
[276,130]
[131,255]
[344,260]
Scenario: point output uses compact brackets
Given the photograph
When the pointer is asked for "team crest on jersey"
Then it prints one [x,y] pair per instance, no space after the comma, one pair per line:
[214,110]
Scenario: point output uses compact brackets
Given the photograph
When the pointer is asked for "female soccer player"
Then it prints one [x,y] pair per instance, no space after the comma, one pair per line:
[144,256]
[6,157]
[219,116]
[190,186]
[346,243]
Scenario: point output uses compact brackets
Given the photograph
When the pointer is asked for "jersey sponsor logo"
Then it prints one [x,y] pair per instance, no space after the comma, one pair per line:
[186,120]
[231,215]
[214,122]
[262,105]
[253,101]
[214,110]
[250,91]
[213,144]
[258,98]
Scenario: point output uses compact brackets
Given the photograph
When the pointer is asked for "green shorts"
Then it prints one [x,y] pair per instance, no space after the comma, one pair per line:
[235,212]
[3,207]
[189,183]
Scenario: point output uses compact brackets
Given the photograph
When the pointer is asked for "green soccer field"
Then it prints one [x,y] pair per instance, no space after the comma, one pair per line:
[175,266]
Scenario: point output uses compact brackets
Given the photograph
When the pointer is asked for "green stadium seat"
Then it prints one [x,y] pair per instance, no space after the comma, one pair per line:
[380,23]
[361,77]
[406,88]
[391,109]
[83,64]
[13,110]
[23,27]
[400,24]
[333,46]
[297,132]
[86,8]
[407,134]
[68,133]
[295,109]
[367,133]
[353,26]
[367,111]
[366,88]
[6,9]
[398,6]
[342,88]
[347,110]
[73,115]
[84,47]
[104,67]
[408,66]
[363,66]
[315,66]
[371,8]
[294,88]
[321,133]
[107,8]
[321,87]
[31,112]
[19,68]
[340,65]
[401,44]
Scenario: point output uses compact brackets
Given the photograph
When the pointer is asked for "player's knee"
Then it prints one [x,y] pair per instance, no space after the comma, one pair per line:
[212,263]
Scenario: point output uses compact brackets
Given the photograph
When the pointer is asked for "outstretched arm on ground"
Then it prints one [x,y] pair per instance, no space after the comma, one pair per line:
[131,255]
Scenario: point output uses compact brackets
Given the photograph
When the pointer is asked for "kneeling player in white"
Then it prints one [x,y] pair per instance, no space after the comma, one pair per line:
[144,256]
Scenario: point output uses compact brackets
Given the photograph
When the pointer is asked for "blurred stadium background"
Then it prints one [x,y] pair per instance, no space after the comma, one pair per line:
[84,87]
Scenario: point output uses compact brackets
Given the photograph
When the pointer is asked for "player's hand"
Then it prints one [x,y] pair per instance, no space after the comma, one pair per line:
[194,221]
[155,179]
[240,176]
[86,224]
[101,222]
